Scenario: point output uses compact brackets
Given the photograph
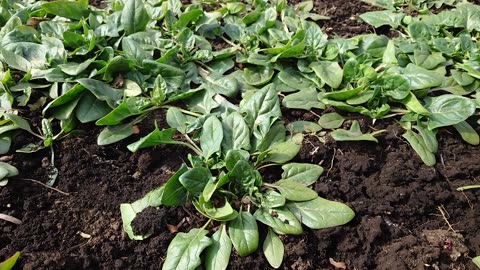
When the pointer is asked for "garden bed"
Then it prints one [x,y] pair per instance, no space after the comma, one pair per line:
[407,215]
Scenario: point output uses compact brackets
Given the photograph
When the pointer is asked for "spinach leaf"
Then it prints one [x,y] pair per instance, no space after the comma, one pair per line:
[243,232]
[185,249]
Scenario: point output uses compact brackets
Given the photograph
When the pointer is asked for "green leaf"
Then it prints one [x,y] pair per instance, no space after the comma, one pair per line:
[222,84]
[384,17]
[129,211]
[176,119]
[187,17]
[18,121]
[101,90]
[175,193]
[428,136]
[236,134]
[354,134]
[233,156]
[10,262]
[90,108]
[112,134]
[16,61]
[468,133]
[73,69]
[261,110]
[295,79]
[321,213]
[156,137]
[421,78]
[303,173]
[273,199]
[195,179]
[217,255]
[208,209]
[304,99]
[211,137]
[7,170]
[303,127]
[244,233]
[394,86]
[476,261]
[418,144]
[130,106]
[184,251]
[258,75]
[75,10]
[294,191]
[447,110]
[273,249]
[134,17]
[329,72]
[281,220]
[285,151]
[331,120]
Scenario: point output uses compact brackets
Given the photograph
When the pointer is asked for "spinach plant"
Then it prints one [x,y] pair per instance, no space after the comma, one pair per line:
[224,183]
[10,262]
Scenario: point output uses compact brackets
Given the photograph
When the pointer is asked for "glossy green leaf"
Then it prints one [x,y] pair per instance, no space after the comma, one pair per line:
[176,119]
[184,251]
[281,220]
[236,134]
[295,191]
[217,255]
[112,134]
[195,179]
[211,136]
[468,133]
[304,99]
[303,127]
[354,134]
[261,110]
[258,75]
[130,106]
[384,17]
[73,69]
[156,137]
[447,110]
[233,156]
[321,213]
[273,199]
[331,120]
[101,90]
[90,108]
[129,211]
[417,143]
[302,173]
[75,10]
[285,151]
[134,16]
[329,72]
[243,232]
[175,193]
[273,249]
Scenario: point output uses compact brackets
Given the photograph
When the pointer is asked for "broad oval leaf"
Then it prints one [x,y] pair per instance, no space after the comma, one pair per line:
[195,179]
[281,220]
[331,120]
[304,99]
[258,76]
[175,193]
[184,251]
[284,151]
[303,173]
[112,134]
[236,134]
[75,10]
[417,143]
[447,110]
[217,255]
[273,249]
[329,72]
[244,233]
[294,191]
[134,16]
[321,213]
[211,137]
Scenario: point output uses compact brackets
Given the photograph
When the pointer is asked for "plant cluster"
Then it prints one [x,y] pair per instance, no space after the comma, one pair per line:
[111,66]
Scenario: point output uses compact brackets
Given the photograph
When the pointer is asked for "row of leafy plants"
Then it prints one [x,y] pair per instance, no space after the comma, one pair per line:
[73,64]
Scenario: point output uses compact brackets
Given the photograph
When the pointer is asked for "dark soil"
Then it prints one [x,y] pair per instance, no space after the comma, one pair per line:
[408,216]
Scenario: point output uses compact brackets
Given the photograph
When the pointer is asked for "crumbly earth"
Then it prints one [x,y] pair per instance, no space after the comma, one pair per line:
[408,216]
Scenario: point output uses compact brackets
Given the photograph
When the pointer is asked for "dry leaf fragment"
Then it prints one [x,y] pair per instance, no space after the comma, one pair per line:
[172,228]
[338,265]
